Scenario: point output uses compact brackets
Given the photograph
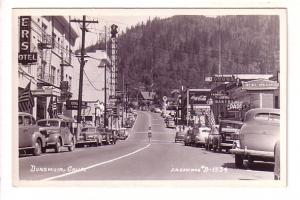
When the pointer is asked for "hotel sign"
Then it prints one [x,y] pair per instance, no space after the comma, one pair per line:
[260,84]
[26,57]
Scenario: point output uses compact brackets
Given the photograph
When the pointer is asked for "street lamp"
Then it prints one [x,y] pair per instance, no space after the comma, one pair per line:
[103,64]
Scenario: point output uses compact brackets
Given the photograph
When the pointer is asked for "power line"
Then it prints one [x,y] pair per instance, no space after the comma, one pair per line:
[91,82]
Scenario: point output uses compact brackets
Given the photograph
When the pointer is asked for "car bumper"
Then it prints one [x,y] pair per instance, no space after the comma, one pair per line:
[86,141]
[264,154]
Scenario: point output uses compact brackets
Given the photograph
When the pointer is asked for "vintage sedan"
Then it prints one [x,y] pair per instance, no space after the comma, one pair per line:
[109,136]
[30,138]
[211,142]
[122,134]
[180,133]
[200,135]
[257,136]
[57,133]
[188,141]
[171,123]
[228,131]
[90,136]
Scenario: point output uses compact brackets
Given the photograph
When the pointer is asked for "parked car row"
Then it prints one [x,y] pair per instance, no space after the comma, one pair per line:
[254,139]
[35,137]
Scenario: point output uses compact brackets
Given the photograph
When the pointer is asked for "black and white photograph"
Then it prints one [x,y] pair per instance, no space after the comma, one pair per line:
[158,96]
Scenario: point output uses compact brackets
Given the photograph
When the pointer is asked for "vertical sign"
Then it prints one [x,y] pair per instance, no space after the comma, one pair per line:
[25,56]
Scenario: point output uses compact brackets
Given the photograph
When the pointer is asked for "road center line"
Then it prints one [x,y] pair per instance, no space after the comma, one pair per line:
[96,165]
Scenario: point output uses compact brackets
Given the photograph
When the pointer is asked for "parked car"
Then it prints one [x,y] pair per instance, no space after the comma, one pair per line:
[277,161]
[57,133]
[200,135]
[257,136]
[129,122]
[171,123]
[211,142]
[228,131]
[89,135]
[157,110]
[108,136]
[188,138]
[180,133]
[30,138]
[123,134]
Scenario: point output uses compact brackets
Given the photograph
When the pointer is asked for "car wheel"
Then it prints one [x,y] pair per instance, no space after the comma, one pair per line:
[239,161]
[57,146]
[44,149]
[37,148]
[72,145]
[250,162]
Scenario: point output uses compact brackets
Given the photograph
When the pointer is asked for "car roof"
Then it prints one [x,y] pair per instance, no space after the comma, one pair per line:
[251,113]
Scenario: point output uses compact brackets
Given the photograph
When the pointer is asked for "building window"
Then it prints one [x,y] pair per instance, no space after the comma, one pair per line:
[70,82]
[53,40]
[29,69]
[58,76]
[52,75]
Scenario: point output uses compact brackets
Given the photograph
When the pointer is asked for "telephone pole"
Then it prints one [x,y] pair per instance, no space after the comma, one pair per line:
[82,63]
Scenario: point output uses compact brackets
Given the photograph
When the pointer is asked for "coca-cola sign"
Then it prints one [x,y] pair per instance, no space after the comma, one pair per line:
[199,96]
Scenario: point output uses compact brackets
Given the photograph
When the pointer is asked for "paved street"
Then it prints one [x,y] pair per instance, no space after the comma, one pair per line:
[137,159]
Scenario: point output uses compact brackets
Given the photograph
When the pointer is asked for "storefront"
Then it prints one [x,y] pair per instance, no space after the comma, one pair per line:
[252,94]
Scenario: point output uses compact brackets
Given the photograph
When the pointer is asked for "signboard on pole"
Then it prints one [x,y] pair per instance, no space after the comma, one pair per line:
[260,84]
[199,96]
[73,104]
[25,56]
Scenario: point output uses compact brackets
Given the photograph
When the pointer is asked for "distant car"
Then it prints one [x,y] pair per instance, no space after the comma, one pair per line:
[200,135]
[277,161]
[228,130]
[180,133]
[129,122]
[211,142]
[108,136]
[123,134]
[58,134]
[89,135]
[171,123]
[188,138]
[30,138]
[257,136]
[157,110]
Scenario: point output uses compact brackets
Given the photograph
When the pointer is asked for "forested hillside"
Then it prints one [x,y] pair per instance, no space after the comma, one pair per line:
[182,50]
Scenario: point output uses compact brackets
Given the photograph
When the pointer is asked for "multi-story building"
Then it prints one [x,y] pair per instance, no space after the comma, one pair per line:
[51,76]
[93,89]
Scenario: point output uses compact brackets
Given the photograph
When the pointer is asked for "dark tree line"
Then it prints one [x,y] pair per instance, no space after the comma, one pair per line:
[163,54]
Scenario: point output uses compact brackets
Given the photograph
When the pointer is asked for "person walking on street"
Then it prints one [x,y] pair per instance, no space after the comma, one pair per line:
[149,134]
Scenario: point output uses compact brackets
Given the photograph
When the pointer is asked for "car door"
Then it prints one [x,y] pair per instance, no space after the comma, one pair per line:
[62,128]
[25,131]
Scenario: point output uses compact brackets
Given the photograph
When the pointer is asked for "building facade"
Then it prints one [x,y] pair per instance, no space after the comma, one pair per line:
[52,39]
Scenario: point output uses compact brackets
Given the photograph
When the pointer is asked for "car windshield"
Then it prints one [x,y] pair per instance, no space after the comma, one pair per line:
[48,123]
[88,129]
[267,116]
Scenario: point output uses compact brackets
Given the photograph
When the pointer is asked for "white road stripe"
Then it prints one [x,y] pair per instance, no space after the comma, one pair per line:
[95,165]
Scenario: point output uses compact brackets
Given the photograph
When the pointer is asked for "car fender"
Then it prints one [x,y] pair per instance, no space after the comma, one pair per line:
[54,137]
[38,135]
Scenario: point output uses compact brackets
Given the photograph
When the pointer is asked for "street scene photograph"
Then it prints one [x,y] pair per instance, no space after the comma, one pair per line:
[149,95]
